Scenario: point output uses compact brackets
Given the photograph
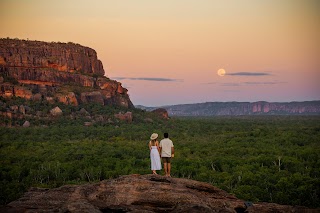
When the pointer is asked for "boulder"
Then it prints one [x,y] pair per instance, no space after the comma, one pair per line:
[22,109]
[68,99]
[6,90]
[50,99]
[37,97]
[56,111]
[110,121]
[26,124]
[99,118]
[141,193]
[124,117]
[7,114]
[148,120]
[14,108]
[87,123]
[39,113]
[28,109]
[83,111]
[95,97]
[23,92]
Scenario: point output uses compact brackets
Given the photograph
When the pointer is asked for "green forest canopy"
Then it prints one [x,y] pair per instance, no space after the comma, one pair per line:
[257,158]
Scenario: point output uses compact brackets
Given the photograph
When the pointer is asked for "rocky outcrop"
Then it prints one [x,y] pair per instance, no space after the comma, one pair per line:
[56,111]
[140,193]
[124,117]
[245,108]
[163,113]
[26,124]
[65,57]
[83,111]
[38,70]
[96,97]
[70,98]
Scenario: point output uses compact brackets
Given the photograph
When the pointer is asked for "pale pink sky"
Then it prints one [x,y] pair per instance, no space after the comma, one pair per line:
[169,51]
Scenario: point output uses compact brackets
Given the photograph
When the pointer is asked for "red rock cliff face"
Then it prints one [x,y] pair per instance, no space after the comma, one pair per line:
[29,68]
[64,57]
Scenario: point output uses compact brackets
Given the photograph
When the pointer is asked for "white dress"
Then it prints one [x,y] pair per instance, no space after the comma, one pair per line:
[155,158]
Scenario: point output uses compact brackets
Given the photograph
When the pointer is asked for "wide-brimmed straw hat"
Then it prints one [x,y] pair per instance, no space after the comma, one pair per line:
[154,136]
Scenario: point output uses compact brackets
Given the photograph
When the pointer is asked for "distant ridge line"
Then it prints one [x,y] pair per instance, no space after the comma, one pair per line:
[235,108]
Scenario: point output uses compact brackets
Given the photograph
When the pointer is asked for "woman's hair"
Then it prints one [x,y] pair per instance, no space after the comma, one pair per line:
[153,142]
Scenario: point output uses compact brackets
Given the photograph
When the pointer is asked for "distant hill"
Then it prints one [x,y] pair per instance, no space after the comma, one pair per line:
[241,108]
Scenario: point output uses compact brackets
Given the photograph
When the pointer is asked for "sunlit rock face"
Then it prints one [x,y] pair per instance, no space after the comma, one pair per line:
[65,57]
[30,68]
[140,193]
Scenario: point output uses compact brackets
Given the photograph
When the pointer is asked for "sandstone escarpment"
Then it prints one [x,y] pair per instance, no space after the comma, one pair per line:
[66,57]
[66,72]
[140,193]
[245,108]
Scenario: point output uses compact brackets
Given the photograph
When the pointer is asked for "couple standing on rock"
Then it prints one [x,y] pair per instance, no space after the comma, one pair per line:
[165,150]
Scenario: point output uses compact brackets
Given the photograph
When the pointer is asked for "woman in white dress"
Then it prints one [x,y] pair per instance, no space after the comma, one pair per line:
[154,153]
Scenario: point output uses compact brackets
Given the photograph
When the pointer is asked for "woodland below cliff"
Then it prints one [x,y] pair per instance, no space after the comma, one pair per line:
[262,158]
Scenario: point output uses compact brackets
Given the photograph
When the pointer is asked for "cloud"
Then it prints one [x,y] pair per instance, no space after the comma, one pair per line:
[248,83]
[149,79]
[265,83]
[210,83]
[230,90]
[231,84]
[249,73]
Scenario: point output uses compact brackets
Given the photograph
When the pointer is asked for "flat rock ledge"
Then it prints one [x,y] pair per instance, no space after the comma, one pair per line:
[140,193]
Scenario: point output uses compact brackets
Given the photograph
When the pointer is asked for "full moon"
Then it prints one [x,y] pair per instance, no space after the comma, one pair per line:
[221,72]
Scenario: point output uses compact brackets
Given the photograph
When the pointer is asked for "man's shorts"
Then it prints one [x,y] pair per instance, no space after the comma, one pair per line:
[166,159]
